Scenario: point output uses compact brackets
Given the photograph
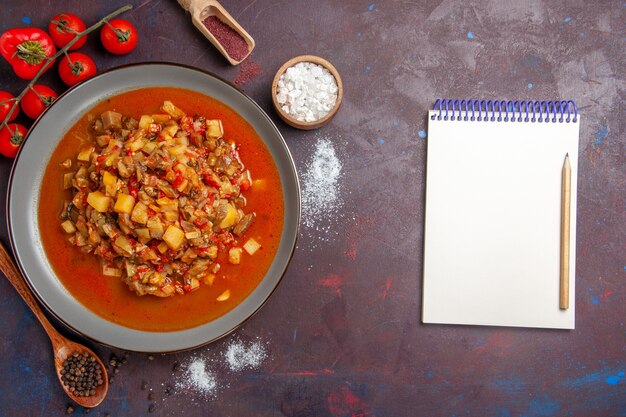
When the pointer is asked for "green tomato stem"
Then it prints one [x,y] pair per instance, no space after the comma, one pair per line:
[31,52]
[46,100]
[62,25]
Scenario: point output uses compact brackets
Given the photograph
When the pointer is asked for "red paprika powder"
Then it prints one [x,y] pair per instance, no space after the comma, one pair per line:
[234,44]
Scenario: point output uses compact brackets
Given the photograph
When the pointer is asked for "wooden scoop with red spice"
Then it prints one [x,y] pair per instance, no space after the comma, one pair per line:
[219,27]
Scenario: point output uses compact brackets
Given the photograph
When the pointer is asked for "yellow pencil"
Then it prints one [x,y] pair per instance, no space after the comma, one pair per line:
[566,190]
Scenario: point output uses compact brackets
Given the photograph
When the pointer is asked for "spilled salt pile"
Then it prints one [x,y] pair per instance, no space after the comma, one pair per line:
[198,378]
[320,184]
[241,356]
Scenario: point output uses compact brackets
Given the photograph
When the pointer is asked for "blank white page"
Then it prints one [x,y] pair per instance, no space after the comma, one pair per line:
[493,223]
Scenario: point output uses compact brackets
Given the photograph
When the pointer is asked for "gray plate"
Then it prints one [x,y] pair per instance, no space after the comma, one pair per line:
[30,166]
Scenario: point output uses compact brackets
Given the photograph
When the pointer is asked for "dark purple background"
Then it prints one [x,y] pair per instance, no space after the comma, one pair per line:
[343,330]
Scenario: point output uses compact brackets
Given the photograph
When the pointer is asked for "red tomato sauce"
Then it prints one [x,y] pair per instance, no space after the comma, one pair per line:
[109,297]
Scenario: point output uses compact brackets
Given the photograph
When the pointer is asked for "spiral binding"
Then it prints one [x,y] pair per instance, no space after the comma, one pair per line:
[503,110]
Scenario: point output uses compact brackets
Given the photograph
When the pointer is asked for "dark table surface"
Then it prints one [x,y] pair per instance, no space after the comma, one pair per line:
[343,332]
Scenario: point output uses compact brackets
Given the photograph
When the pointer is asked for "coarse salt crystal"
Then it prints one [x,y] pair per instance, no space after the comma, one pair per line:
[307,91]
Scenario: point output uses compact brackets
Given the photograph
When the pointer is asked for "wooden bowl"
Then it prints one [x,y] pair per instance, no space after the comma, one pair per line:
[292,121]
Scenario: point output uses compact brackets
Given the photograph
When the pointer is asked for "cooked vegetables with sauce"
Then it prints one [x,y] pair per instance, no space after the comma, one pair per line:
[157,199]
[109,297]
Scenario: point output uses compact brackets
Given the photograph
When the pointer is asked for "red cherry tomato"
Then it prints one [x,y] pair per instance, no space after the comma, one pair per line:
[118,36]
[11,138]
[36,102]
[78,68]
[5,107]
[64,27]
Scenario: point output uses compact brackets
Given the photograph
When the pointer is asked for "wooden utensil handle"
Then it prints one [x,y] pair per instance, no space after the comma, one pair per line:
[7,266]
[196,5]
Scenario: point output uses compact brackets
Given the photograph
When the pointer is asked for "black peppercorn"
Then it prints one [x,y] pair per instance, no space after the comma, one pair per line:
[81,375]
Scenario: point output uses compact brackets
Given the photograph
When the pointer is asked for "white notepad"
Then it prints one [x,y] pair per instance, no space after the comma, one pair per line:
[493,213]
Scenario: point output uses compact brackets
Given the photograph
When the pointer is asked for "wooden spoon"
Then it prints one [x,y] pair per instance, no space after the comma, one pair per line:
[61,346]
[201,9]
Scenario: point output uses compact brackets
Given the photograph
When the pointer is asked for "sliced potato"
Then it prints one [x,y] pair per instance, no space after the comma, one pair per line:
[140,213]
[149,147]
[168,289]
[174,237]
[209,279]
[143,233]
[149,255]
[145,122]
[99,201]
[231,218]
[194,284]
[103,140]
[169,108]
[234,256]
[110,270]
[68,227]
[124,203]
[162,247]
[108,178]
[161,118]
[170,216]
[67,180]
[183,185]
[171,128]
[110,183]
[193,234]
[136,144]
[85,153]
[166,202]
[251,246]
[212,252]
[177,150]
[157,279]
[214,129]
[182,140]
[112,159]
[155,227]
[124,244]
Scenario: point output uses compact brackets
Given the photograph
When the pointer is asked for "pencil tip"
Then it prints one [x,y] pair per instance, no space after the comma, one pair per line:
[567,155]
